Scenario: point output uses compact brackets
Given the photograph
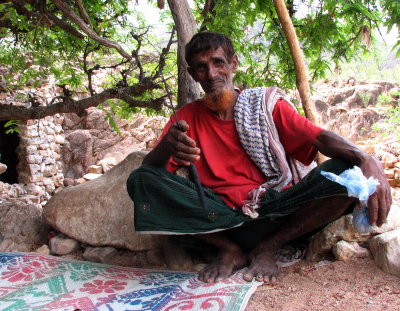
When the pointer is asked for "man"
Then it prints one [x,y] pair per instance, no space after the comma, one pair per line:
[240,143]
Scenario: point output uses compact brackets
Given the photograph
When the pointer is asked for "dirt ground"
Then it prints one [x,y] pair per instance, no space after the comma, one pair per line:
[357,284]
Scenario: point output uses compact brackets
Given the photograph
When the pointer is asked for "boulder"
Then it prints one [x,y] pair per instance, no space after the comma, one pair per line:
[21,227]
[77,153]
[323,241]
[91,176]
[100,254]
[61,245]
[111,256]
[3,168]
[43,250]
[95,169]
[342,229]
[100,212]
[385,249]
[344,250]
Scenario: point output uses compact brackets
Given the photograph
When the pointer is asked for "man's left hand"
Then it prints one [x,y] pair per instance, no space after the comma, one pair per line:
[380,201]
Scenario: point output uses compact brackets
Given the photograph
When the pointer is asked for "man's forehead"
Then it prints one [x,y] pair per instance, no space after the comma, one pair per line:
[211,53]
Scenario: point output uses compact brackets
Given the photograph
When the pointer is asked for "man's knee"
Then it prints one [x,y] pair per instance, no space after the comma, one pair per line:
[138,177]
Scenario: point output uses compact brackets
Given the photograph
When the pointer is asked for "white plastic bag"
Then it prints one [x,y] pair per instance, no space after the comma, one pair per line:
[360,187]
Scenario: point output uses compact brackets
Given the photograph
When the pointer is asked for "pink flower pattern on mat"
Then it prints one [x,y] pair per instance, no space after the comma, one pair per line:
[28,270]
[99,286]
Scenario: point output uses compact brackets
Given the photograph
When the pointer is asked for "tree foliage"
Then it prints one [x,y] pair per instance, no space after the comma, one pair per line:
[109,50]
[102,47]
[330,32]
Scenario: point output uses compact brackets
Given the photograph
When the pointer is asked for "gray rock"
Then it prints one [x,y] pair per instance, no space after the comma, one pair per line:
[342,229]
[95,169]
[100,212]
[68,182]
[34,190]
[323,241]
[344,250]
[43,250]
[21,227]
[77,153]
[91,176]
[385,249]
[60,245]
[100,254]
[3,168]
[392,221]
[111,256]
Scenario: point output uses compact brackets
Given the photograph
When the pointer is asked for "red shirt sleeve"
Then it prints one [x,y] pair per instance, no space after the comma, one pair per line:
[296,133]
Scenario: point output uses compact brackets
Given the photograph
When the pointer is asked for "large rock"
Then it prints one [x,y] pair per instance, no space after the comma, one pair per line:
[386,251]
[21,227]
[77,153]
[60,245]
[3,168]
[100,212]
[342,229]
[344,250]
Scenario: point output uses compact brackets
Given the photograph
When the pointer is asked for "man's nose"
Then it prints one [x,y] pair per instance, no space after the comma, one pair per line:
[212,72]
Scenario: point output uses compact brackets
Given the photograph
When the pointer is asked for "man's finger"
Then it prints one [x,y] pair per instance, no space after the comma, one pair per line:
[373,209]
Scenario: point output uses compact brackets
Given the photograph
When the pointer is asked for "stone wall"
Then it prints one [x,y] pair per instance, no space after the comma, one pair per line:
[39,161]
[66,150]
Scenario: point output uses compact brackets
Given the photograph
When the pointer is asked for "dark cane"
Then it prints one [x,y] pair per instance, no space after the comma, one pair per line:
[192,168]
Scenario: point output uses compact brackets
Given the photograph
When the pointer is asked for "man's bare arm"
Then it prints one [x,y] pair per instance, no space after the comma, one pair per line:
[175,144]
[334,146]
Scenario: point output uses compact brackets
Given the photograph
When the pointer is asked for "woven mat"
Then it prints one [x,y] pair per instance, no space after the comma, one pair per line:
[30,281]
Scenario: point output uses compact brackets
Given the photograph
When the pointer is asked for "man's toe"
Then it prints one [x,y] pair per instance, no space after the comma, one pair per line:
[261,277]
[248,275]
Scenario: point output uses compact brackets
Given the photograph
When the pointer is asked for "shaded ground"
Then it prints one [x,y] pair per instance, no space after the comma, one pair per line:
[357,284]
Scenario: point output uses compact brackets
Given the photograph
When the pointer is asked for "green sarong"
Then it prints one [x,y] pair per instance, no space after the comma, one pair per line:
[168,204]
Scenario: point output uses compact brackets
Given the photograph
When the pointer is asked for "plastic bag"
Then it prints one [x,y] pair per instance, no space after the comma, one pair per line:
[360,187]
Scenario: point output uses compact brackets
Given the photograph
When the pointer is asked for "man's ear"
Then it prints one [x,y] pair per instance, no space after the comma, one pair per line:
[235,63]
[190,71]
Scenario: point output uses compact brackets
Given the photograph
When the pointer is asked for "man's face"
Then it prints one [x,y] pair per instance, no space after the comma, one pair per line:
[213,70]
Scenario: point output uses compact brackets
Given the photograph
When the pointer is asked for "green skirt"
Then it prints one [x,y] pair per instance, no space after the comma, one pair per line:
[168,204]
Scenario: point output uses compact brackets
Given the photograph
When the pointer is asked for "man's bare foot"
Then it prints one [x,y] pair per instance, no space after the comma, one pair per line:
[223,266]
[262,266]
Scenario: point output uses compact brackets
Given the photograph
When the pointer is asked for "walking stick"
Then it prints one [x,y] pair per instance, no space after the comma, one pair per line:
[192,168]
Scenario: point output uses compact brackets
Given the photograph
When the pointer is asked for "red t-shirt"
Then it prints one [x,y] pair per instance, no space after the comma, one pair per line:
[224,165]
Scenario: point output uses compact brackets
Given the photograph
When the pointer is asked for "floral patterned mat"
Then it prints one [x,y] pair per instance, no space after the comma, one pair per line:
[30,281]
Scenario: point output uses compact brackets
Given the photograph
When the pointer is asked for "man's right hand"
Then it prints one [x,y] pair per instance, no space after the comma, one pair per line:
[179,145]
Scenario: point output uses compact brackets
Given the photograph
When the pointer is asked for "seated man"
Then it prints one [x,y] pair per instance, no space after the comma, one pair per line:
[246,147]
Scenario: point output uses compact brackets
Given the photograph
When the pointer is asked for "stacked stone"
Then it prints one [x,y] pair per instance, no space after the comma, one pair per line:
[388,152]
[392,170]
[40,166]
[8,191]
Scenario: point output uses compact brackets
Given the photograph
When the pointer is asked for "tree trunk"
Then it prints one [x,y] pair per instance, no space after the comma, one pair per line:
[299,64]
[188,89]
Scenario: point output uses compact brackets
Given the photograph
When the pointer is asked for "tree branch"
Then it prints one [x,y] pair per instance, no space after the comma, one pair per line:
[73,17]
[164,53]
[208,13]
[9,112]
[83,12]
[19,6]
[155,104]
[135,53]
[65,26]
[160,4]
